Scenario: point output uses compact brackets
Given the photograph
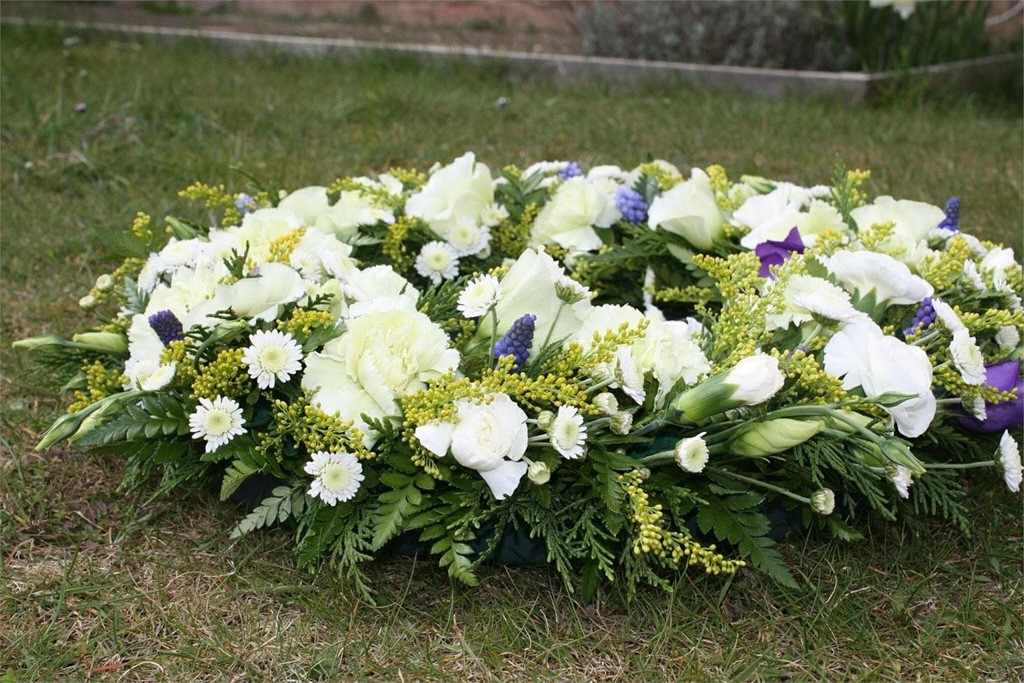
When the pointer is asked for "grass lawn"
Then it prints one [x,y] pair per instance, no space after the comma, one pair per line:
[99,585]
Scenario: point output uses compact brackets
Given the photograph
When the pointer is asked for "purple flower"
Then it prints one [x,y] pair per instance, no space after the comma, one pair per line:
[924,316]
[244,203]
[167,327]
[952,219]
[632,205]
[774,253]
[1003,376]
[571,170]
[517,340]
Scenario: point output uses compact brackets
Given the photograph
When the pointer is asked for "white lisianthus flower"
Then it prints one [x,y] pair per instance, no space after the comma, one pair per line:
[489,437]
[902,478]
[820,216]
[378,281]
[692,454]
[308,203]
[967,357]
[271,357]
[338,476]
[569,217]
[945,314]
[862,356]
[568,434]
[768,217]
[1009,461]
[437,261]
[217,421]
[752,381]
[381,356]
[689,210]
[807,296]
[258,298]
[864,272]
[480,294]
[913,221]
[529,286]
[1008,337]
[461,191]
[823,501]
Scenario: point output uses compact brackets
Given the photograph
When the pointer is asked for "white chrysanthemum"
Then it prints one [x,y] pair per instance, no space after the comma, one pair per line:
[902,478]
[437,261]
[338,476]
[218,421]
[629,375]
[480,294]
[1008,337]
[972,275]
[946,315]
[692,454]
[1009,459]
[621,423]
[568,433]
[976,407]
[807,296]
[570,291]
[272,356]
[823,501]
[606,403]
[967,357]
[148,374]
[493,215]
[467,238]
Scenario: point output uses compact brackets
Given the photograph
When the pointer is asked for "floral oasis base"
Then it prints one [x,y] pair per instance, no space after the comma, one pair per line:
[626,367]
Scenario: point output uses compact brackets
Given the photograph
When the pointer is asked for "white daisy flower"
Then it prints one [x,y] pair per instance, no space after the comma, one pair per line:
[972,275]
[1009,459]
[467,238]
[570,291]
[218,421]
[480,294]
[568,433]
[946,315]
[493,214]
[902,478]
[437,261]
[272,356]
[976,407]
[338,476]
[692,454]
[967,357]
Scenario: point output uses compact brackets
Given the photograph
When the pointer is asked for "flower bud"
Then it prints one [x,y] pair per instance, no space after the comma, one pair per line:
[621,423]
[104,282]
[88,301]
[823,502]
[752,381]
[104,342]
[602,373]
[774,436]
[545,419]
[539,473]
[691,453]
[606,403]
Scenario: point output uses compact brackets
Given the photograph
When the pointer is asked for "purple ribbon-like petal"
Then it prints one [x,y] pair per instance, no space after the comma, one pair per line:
[1003,376]
[775,252]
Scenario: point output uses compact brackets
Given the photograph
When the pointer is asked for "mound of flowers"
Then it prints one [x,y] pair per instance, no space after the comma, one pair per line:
[635,370]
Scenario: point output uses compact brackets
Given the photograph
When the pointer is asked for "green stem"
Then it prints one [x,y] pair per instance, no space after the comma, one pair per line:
[762,484]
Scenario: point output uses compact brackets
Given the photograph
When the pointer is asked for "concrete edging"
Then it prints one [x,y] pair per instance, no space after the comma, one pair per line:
[848,85]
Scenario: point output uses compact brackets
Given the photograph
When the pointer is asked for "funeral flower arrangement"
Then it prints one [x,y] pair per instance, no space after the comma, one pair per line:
[635,370]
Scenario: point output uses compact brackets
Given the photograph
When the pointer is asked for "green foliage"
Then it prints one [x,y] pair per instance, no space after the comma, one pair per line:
[236,473]
[404,498]
[282,504]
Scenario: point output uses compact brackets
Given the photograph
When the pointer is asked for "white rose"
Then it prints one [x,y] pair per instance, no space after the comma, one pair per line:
[461,191]
[381,356]
[862,356]
[487,437]
[689,210]
[913,222]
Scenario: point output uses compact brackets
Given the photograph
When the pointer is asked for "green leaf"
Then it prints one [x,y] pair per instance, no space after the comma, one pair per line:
[236,473]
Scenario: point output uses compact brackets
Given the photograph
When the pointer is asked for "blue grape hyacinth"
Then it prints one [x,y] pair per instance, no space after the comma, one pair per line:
[632,205]
[952,219]
[167,327]
[924,317]
[517,340]
[571,170]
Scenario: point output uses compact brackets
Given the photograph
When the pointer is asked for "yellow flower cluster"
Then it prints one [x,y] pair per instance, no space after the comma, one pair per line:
[177,352]
[408,176]
[829,241]
[811,384]
[393,246]
[689,294]
[942,269]
[671,547]
[316,430]
[665,178]
[224,376]
[100,382]
[722,186]
[512,171]
[211,196]
[604,346]
[510,237]
[301,323]
[281,248]
[129,268]
[851,187]
[873,237]
[376,194]
[142,227]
